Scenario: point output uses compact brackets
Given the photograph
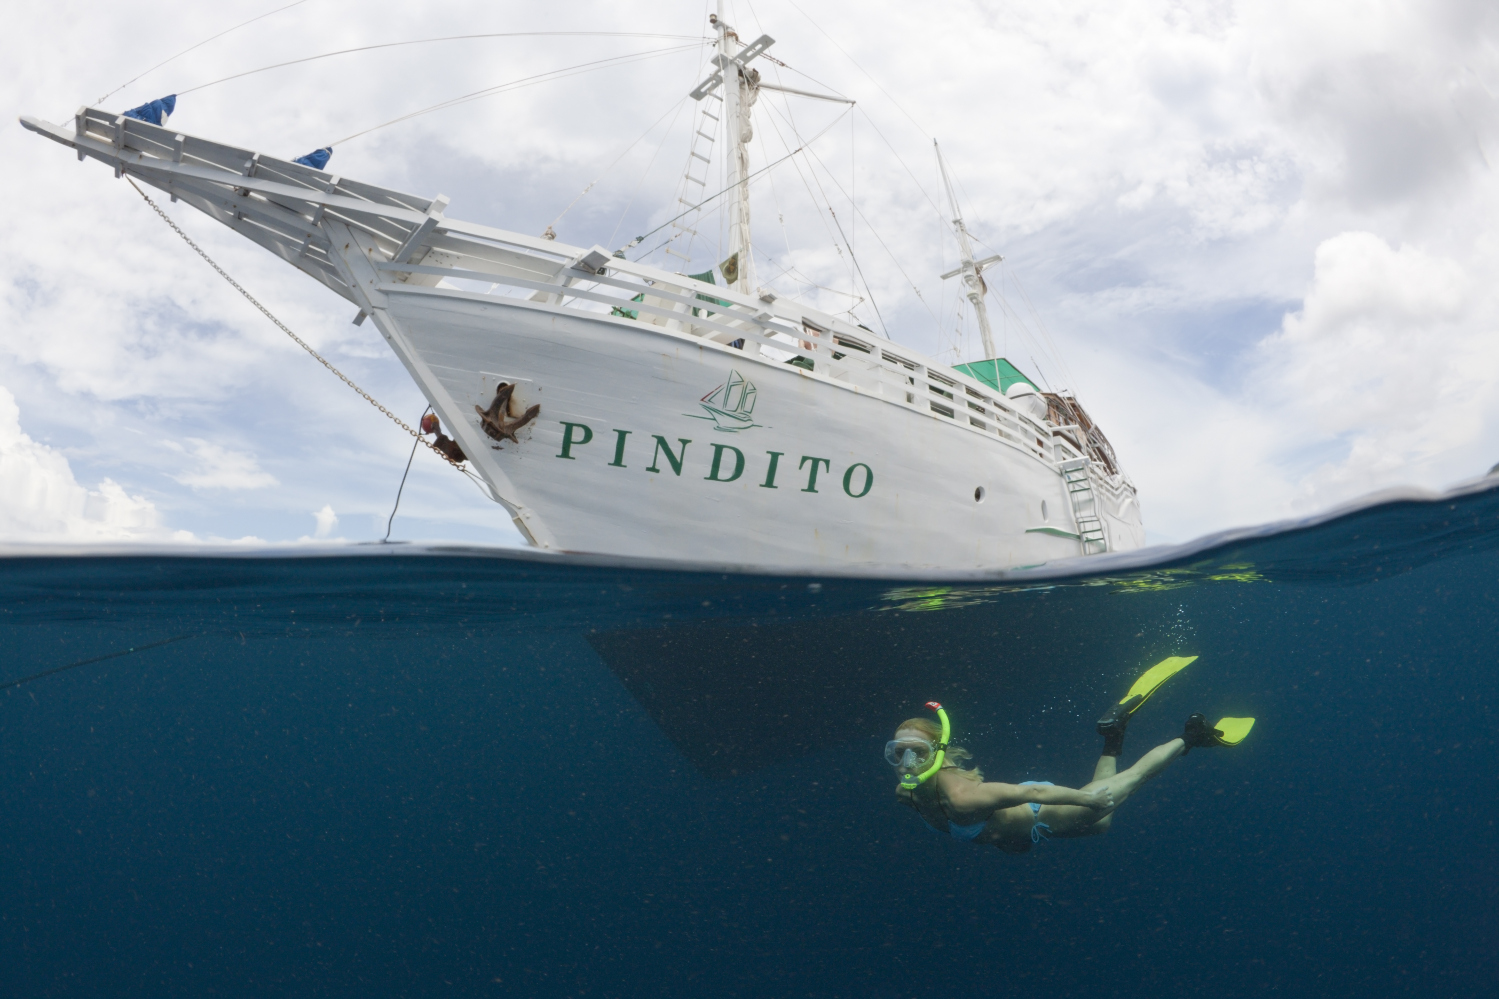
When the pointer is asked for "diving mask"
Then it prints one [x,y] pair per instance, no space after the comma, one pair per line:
[909,753]
[920,768]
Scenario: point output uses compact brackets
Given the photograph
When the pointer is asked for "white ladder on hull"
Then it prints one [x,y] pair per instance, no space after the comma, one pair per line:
[1084,506]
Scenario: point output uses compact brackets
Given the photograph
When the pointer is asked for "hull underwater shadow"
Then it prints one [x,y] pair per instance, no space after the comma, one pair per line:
[735,697]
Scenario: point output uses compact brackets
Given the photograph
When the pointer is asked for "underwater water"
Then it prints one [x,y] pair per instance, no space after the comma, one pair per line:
[423,772]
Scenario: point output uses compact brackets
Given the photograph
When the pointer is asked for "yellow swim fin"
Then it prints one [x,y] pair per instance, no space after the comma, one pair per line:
[1152,679]
[1114,721]
[1231,731]
[1228,731]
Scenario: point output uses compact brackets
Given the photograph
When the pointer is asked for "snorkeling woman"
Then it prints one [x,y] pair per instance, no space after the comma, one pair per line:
[1013,817]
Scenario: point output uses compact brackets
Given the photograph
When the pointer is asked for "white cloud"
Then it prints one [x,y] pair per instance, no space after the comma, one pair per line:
[41,501]
[1395,354]
[327,522]
[220,468]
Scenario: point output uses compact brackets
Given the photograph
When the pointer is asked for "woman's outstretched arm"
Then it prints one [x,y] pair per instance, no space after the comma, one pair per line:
[970,796]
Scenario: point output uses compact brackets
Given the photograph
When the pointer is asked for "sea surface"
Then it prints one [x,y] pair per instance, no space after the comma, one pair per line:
[426,771]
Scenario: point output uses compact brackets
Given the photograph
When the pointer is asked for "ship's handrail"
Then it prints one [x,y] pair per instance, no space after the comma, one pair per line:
[282,206]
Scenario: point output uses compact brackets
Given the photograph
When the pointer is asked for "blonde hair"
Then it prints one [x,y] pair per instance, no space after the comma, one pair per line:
[952,761]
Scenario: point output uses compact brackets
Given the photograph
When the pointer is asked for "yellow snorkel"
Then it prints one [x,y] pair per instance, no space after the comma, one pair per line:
[911,782]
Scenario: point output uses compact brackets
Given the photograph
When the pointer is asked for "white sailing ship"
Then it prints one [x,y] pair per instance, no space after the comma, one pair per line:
[726,425]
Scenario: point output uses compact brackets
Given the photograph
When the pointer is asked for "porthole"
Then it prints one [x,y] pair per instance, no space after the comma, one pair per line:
[1044,517]
[978,495]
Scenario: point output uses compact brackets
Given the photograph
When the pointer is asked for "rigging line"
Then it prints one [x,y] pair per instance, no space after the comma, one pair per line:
[759,27]
[614,234]
[770,58]
[1022,328]
[286,329]
[790,119]
[654,156]
[1042,337]
[615,162]
[893,258]
[861,69]
[95,659]
[428,41]
[882,243]
[875,305]
[796,273]
[775,198]
[1050,345]
[791,123]
[919,186]
[484,486]
[402,487]
[775,195]
[1035,338]
[517,84]
[746,180]
[832,238]
[1044,379]
[204,42]
[812,194]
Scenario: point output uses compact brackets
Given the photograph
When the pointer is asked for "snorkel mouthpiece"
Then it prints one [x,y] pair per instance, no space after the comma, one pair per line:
[911,782]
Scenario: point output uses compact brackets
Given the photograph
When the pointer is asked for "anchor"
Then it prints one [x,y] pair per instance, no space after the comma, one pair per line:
[496,419]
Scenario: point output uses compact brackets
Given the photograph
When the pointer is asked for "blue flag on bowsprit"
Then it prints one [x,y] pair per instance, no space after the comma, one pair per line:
[156,112]
[317,159]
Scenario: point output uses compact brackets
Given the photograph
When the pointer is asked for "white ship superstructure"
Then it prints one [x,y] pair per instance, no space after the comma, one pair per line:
[672,419]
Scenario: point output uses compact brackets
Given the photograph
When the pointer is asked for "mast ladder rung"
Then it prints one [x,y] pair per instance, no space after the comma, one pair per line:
[706,135]
[700,156]
[699,183]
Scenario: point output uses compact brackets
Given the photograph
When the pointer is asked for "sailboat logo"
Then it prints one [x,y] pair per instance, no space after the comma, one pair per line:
[731,406]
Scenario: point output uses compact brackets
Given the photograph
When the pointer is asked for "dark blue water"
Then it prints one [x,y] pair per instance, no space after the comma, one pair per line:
[462,774]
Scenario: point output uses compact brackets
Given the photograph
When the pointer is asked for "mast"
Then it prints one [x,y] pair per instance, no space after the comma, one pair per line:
[739,93]
[741,86]
[972,270]
[737,124]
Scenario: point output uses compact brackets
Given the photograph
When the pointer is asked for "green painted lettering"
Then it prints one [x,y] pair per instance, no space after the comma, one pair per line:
[619,448]
[718,450]
[770,473]
[568,440]
[812,476]
[848,478]
[674,460]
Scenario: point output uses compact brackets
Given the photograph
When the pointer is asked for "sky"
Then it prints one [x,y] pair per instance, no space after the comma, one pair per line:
[1256,239]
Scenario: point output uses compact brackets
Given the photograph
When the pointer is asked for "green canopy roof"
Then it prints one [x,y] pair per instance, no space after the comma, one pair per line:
[997,373]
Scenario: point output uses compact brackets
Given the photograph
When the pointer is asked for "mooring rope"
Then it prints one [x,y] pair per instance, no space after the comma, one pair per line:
[95,659]
[287,330]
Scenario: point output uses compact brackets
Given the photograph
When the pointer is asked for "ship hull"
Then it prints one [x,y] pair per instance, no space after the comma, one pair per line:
[628,457]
